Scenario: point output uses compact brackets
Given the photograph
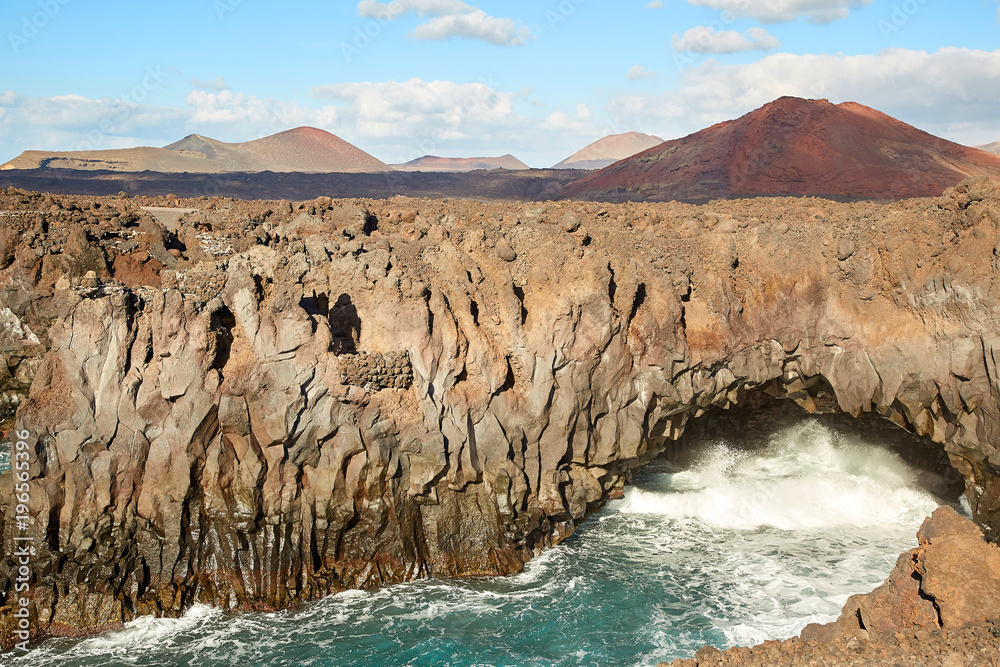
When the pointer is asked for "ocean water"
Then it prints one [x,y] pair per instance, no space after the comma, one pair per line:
[739,547]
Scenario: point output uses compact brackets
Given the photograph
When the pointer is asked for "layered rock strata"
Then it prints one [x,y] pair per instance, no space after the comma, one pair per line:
[332,394]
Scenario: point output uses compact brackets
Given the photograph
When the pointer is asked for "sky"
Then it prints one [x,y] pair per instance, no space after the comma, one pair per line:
[539,79]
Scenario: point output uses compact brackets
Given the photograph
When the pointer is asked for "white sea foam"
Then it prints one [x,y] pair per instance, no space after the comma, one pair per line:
[805,479]
[124,644]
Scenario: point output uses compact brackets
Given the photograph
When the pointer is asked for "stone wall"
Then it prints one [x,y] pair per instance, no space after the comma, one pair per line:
[377,371]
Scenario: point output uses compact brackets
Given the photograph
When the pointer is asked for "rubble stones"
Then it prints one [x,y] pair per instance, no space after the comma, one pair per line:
[377,371]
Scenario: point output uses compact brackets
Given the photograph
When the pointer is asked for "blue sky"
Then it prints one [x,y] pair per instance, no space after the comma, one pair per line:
[540,80]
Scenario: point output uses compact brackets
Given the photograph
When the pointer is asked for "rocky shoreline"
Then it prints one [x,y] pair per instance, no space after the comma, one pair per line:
[972,645]
[939,606]
[255,404]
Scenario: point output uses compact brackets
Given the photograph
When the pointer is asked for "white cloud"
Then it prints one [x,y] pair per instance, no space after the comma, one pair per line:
[703,39]
[656,4]
[450,18]
[407,119]
[952,92]
[74,122]
[400,109]
[395,121]
[74,112]
[251,115]
[398,121]
[386,11]
[581,122]
[778,11]
[637,72]
[474,25]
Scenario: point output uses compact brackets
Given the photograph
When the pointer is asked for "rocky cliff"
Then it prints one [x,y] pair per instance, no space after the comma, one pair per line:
[281,400]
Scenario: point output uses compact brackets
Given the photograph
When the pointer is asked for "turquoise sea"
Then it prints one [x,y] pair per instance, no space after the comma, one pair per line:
[737,548]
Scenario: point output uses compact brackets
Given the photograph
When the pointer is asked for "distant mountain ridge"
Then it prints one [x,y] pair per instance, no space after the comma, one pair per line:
[303,149]
[990,148]
[794,147]
[608,150]
[460,164]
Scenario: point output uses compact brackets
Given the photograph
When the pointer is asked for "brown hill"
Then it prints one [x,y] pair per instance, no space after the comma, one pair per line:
[608,150]
[459,164]
[794,147]
[990,148]
[143,158]
[304,149]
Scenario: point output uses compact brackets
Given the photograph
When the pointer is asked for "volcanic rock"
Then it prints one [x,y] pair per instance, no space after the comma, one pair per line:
[349,394]
[951,579]
[794,147]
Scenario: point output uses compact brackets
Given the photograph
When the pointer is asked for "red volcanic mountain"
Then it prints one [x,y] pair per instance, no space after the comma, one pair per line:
[608,150]
[794,147]
[460,164]
[301,149]
[304,149]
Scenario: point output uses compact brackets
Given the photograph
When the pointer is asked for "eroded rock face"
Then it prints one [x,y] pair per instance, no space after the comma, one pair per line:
[217,431]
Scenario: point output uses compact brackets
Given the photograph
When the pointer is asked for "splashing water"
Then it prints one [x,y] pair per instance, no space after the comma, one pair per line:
[739,548]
